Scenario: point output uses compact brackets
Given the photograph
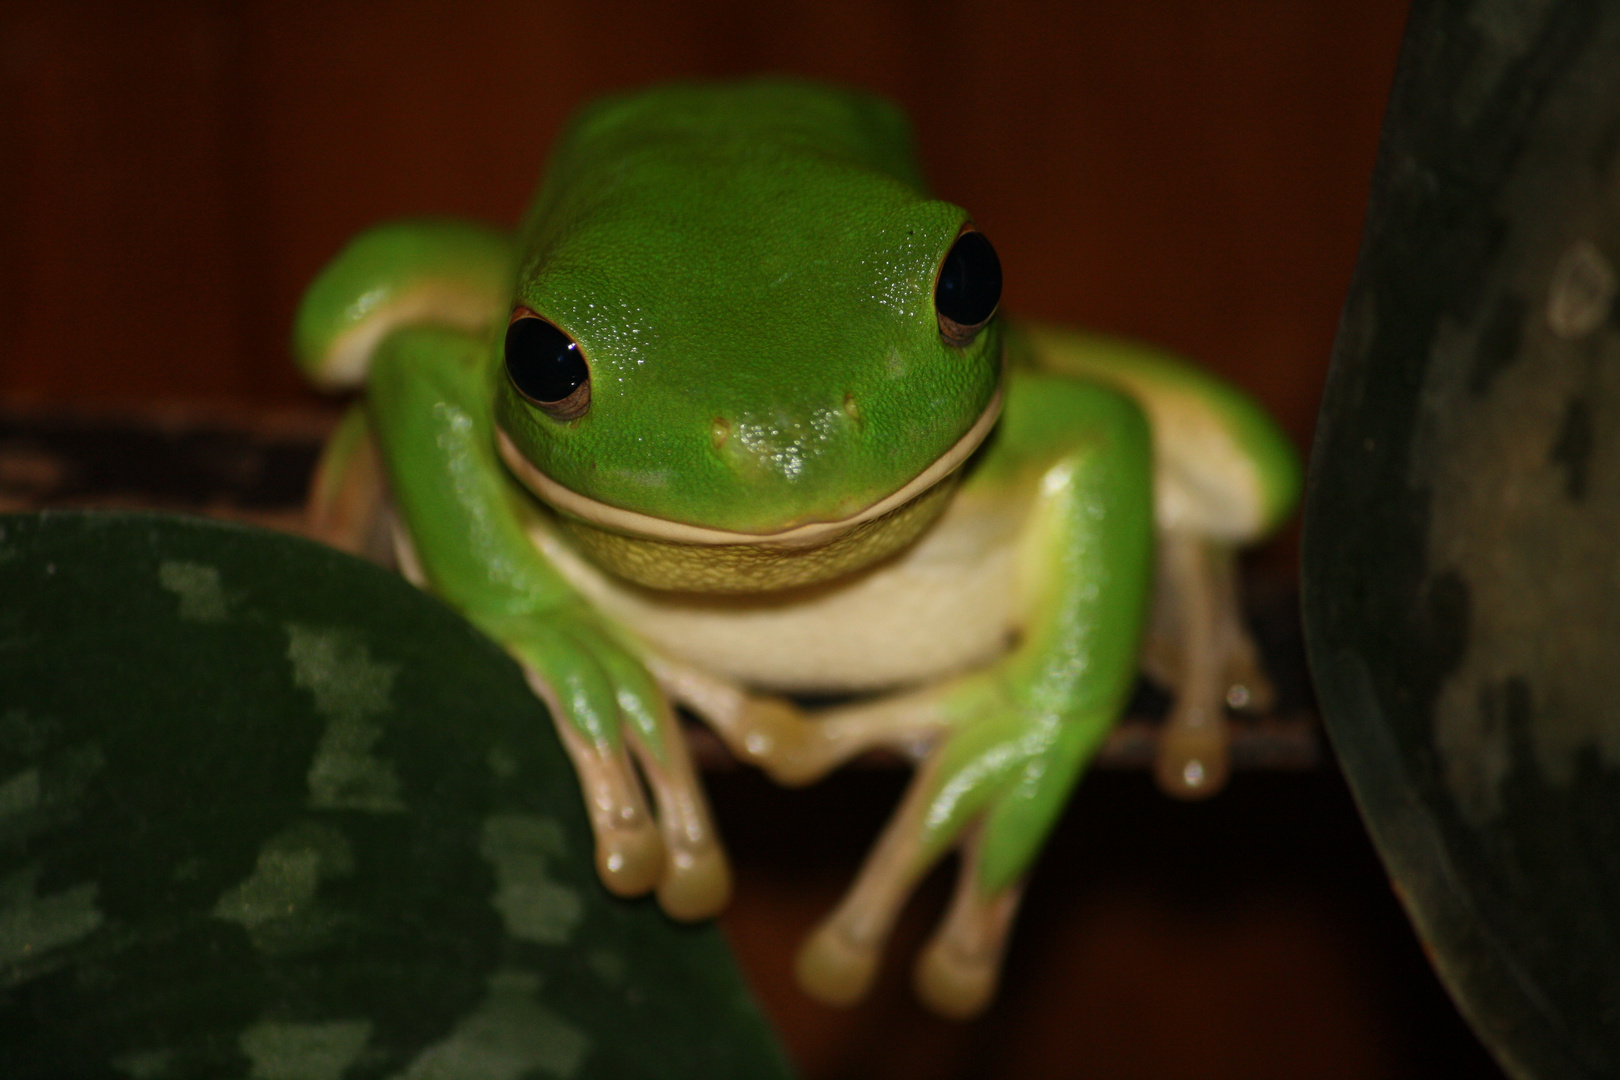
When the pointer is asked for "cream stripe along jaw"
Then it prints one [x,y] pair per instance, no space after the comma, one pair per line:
[673,555]
[810,534]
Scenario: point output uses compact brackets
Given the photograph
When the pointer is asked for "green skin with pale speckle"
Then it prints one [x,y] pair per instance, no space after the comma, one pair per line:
[766,253]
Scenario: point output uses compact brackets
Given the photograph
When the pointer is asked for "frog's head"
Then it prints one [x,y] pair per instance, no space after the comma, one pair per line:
[733,367]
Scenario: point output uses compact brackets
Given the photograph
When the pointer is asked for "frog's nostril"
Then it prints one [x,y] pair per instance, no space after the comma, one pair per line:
[719,432]
[852,409]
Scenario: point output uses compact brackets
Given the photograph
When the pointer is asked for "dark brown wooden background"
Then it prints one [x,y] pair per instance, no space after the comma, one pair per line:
[1192,172]
[1189,171]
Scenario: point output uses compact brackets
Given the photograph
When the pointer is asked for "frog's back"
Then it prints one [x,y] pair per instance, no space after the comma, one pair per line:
[770,117]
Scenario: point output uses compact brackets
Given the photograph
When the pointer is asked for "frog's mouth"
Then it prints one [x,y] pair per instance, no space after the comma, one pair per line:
[668,554]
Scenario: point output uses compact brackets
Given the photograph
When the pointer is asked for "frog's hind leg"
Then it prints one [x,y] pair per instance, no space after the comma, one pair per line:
[1198,646]
[348,504]
[990,790]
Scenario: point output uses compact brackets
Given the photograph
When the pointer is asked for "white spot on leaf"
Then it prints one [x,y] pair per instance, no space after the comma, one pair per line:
[323,1051]
[533,905]
[283,883]
[201,598]
[349,689]
[32,925]
[277,902]
[1580,292]
[509,1036]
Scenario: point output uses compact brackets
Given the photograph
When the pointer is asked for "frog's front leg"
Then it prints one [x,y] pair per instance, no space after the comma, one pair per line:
[428,393]
[1225,476]
[417,306]
[1009,741]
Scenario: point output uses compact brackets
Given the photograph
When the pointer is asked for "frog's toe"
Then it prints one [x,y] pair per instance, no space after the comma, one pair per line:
[792,746]
[957,973]
[1207,656]
[1247,687]
[816,744]
[629,856]
[696,880]
[696,883]
[629,848]
[837,963]
[1193,761]
[956,985]
[835,967]
[776,736]
[767,732]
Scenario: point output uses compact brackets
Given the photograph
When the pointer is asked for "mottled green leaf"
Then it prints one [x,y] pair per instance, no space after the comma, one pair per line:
[267,811]
[1462,538]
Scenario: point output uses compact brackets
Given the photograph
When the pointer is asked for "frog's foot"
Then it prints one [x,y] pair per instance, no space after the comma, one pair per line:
[678,852]
[957,973]
[993,787]
[629,848]
[696,880]
[792,746]
[1200,648]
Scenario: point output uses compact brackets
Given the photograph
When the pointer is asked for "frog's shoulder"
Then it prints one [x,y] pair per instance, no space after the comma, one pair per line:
[1224,468]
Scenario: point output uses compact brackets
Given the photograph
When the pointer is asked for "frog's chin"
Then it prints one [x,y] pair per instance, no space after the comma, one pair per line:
[667,554]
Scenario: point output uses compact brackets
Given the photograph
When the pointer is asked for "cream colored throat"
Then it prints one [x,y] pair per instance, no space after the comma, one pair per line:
[810,534]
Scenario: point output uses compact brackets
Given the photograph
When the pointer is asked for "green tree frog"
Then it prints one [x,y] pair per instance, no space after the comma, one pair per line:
[734,417]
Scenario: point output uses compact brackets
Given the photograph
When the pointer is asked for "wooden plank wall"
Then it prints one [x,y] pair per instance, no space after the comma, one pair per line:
[171,173]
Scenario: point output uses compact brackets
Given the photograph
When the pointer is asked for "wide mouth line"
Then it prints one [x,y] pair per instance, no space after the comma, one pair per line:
[809,534]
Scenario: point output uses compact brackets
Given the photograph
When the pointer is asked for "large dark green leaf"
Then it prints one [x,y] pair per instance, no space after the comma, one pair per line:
[1462,540]
[267,811]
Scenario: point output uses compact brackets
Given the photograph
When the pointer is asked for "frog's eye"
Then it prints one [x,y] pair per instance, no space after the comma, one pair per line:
[546,367]
[968,288]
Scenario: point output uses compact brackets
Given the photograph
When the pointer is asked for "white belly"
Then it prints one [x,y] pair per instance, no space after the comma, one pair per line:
[945,604]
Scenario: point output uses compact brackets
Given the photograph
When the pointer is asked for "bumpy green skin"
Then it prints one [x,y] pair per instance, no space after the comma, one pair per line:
[763,257]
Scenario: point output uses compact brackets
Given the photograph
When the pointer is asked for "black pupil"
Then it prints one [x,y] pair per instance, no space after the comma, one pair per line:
[969,281]
[542,361]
